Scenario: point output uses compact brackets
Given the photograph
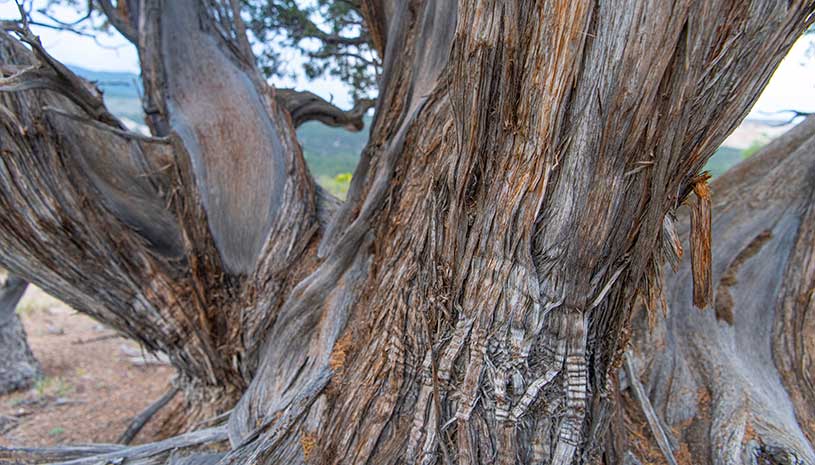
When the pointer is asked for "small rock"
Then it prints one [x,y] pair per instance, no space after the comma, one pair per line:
[55,330]
[65,401]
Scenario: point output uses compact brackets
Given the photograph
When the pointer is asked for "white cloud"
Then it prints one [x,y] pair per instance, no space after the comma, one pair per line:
[792,86]
[108,52]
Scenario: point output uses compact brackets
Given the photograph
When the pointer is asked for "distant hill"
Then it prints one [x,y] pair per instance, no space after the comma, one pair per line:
[333,153]
[121,91]
[112,83]
[723,159]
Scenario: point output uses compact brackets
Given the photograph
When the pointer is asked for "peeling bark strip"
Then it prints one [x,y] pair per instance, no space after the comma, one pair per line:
[700,239]
[510,206]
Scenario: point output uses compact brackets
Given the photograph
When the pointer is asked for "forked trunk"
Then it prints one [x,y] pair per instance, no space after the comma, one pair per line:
[469,301]
[186,242]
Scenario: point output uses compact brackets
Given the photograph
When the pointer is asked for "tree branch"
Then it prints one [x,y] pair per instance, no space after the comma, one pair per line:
[120,21]
[162,237]
[306,106]
[145,415]
[374,12]
[132,135]
[52,75]
[648,410]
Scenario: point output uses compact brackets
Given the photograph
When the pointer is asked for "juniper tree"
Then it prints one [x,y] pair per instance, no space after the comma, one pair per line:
[472,298]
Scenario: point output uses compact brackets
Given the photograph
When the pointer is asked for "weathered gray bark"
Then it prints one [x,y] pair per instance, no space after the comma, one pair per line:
[18,367]
[734,383]
[469,301]
[192,238]
[305,106]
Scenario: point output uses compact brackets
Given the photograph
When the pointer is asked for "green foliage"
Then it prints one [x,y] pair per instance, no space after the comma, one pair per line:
[329,35]
[56,431]
[754,147]
[53,387]
[315,38]
[338,185]
[722,160]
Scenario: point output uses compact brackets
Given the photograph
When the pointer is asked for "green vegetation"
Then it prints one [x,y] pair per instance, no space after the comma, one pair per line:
[754,147]
[53,387]
[722,160]
[56,431]
[332,154]
[338,185]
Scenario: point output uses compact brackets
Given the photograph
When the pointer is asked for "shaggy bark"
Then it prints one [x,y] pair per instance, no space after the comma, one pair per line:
[18,367]
[470,299]
[184,243]
[734,383]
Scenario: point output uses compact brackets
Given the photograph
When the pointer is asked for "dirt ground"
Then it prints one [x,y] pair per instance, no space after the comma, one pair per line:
[91,386]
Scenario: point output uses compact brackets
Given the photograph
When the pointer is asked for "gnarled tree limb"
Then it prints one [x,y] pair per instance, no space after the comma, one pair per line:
[306,106]
[104,454]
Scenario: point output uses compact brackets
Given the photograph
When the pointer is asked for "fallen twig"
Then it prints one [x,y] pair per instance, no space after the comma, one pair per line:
[142,418]
[648,410]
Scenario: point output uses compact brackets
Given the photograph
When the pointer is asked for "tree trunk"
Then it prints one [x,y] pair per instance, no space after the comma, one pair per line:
[185,242]
[734,384]
[18,367]
[469,301]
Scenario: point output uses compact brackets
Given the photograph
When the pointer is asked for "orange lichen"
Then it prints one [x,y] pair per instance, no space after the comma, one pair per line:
[337,359]
[308,441]
[749,433]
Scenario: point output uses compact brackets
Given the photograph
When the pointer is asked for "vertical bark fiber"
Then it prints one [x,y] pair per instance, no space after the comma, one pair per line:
[515,215]
[471,299]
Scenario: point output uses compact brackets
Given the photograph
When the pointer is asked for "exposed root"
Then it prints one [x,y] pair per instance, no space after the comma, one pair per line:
[145,415]
[104,454]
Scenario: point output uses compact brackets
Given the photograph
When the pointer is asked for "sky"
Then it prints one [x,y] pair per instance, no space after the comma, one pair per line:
[791,87]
